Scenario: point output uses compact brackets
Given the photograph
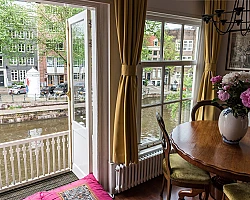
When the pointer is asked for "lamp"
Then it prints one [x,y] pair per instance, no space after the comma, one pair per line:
[239,17]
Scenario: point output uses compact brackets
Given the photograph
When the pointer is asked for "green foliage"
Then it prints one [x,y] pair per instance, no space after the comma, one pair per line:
[187,93]
[52,31]
[153,28]
[14,18]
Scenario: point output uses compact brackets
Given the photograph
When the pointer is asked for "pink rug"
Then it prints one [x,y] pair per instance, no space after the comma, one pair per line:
[87,188]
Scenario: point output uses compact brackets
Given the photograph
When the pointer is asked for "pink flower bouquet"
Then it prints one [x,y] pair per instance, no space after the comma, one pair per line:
[233,90]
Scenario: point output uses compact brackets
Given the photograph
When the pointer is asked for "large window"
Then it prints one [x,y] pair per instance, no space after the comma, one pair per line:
[166,84]
[14,75]
[22,75]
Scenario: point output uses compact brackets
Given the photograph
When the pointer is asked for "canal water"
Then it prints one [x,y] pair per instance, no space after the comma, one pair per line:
[22,130]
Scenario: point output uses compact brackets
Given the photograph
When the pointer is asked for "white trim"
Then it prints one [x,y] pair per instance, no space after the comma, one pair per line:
[173,18]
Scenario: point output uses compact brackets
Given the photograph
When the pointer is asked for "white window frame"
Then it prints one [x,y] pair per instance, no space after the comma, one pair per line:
[13,48]
[22,75]
[30,61]
[160,63]
[22,61]
[188,45]
[21,47]
[29,34]
[30,48]
[59,62]
[48,63]
[13,61]
[14,75]
[21,34]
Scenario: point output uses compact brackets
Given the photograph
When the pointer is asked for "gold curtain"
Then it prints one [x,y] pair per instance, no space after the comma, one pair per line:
[130,19]
[211,52]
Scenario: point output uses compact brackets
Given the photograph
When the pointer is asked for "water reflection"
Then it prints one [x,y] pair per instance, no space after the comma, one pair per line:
[18,131]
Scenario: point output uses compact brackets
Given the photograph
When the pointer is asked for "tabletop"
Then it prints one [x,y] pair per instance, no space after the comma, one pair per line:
[200,143]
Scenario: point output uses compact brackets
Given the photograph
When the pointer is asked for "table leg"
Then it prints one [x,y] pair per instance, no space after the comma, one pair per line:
[216,189]
[189,193]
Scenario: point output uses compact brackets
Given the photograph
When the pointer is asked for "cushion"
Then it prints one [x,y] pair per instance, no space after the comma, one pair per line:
[237,191]
[183,171]
[85,188]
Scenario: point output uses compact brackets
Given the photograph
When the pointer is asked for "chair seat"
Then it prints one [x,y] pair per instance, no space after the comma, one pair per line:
[185,172]
[237,191]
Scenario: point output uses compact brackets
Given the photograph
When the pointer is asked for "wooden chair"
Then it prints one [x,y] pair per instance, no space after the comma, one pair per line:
[202,104]
[177,171]
[236,191]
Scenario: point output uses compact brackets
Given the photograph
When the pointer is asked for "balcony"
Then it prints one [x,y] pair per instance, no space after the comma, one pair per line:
[29,160]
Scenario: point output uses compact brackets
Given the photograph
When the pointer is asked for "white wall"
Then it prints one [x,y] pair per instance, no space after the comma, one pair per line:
[189,8]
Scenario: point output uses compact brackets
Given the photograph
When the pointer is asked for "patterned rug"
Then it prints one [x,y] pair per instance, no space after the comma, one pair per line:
[44,185]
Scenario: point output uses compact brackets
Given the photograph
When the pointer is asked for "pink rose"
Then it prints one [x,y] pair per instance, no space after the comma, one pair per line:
[245,97]
[226,87]
[223,95]
[216,79]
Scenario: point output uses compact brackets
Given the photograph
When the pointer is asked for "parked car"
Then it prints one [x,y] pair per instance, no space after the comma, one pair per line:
[18,89]
[47,90]
[61,89]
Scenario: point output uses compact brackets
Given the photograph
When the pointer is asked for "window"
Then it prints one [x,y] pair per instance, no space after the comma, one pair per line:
[177,45]
[12,34]
[29,35]
[30,48]
[156,42]
[1,61]
[1,49]
[13,48]
[155,53]
[22,75]
[187,45]
[59,62]
[50,62]
[14,75]
[30,61]
[21,47]
[173,99]
[60,46]
[13,61]
[21,35]
[22,61]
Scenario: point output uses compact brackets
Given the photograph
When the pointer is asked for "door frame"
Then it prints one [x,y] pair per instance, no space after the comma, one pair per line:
[100,88]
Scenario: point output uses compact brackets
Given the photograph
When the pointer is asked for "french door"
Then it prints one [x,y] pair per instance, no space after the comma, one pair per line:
[80,99]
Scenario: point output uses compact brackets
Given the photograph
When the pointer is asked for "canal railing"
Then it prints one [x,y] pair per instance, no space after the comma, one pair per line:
[32,159]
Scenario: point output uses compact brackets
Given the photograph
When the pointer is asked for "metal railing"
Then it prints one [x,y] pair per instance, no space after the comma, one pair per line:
[31,159]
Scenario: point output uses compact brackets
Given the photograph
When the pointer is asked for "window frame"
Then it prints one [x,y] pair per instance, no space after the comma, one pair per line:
[160,63]
[14,75]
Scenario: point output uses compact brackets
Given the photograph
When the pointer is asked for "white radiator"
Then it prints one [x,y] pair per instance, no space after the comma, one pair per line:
[124,177]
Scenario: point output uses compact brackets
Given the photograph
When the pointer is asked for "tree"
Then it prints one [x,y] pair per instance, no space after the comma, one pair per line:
[13,20]
[52,30]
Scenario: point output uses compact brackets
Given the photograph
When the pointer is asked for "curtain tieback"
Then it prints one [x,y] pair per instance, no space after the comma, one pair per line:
[129,70]
[210,67]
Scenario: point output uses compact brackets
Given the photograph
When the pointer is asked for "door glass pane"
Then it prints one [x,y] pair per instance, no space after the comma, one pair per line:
[78,73]
[151,85]
[172,81]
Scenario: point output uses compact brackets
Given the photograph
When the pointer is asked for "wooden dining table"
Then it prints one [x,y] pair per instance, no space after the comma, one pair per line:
[200,143]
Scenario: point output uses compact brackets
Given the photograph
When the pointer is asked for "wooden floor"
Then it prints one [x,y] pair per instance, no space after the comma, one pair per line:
[150,191]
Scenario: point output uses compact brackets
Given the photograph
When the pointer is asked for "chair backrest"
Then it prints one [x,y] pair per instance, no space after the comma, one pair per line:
[166,145]
[204,103]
